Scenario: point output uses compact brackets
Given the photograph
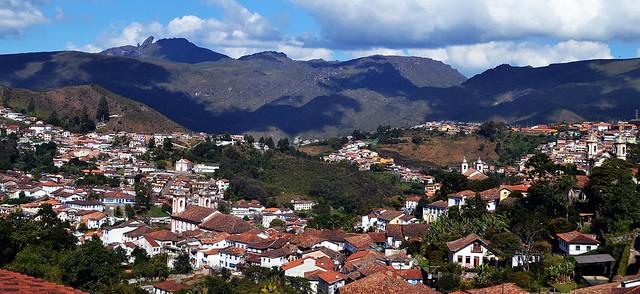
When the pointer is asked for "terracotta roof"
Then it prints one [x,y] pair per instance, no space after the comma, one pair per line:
[325,263]
[490,194]
[163,235]
[11,282]
[609,288]
[379,237]
[414,230]
[118,195]
[137,232]
[151,242]
[226,223]
[331,277]
[410,274]
[170,286]
[575,237]
[384,283]
[394,231]
[439,204]
[457,245]
[507,288]
[390,215]
[465,193]
[194,214]
[360,241]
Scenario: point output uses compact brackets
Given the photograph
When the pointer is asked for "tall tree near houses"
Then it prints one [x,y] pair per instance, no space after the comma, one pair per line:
[102,113]
[31,107]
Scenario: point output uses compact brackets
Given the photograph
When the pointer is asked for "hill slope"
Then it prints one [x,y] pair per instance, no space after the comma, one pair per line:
[269,93]
[69,101]
[265,93]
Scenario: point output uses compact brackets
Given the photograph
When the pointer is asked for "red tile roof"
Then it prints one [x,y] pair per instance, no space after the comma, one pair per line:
[163,235]
[331,277]
[226,223]
[11,282]
[575,237]
[457,245]
[194,214]
[170,286]
[410,274]
[507,288]
[384,283]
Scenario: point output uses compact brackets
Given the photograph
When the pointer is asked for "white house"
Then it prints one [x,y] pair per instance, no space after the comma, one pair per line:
[205,168]
[86,205]
[116,234]
[231,257]
[411,202]
[274,258]
[209,257]
[184,165]
[302,204]
[432,211]
[576,243]
[470,251]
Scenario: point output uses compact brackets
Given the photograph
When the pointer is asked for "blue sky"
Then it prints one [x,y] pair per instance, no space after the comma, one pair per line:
[471,35]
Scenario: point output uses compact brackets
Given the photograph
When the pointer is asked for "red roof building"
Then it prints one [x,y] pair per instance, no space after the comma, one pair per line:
[12,282]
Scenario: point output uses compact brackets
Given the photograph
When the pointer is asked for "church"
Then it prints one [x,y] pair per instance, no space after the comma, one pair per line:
[475,173]
[598,153]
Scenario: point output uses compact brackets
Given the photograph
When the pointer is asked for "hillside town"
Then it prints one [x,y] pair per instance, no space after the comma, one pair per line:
[103,179]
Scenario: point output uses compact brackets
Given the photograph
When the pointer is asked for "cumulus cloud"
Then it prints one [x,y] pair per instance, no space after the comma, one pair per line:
[358,24]
[239,32]
[471,59]
[17,15]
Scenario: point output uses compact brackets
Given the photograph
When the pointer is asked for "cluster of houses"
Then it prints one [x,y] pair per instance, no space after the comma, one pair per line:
[356,152]
[588,145]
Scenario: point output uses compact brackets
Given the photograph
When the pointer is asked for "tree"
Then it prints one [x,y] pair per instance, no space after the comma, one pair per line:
[143,195]
[102,113]
[37,261]
[182,264]
[475,207]
[151,144]
[249,140]
[615,196]
[283,144]
[31,107]
[167,145]
[269,143]
[129,211]
[90,265]
[276,223]
[53,118]
[492,130]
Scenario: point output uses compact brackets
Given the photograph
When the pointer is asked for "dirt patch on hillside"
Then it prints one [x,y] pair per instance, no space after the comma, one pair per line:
[440,151]
[316,150]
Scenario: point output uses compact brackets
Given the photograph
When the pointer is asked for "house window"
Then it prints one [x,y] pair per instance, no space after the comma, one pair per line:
[467,260]
[578,247]
[588,248]
[460,259]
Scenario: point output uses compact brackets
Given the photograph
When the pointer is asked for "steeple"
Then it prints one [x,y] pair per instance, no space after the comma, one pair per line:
[621,148]
[592,147]
[465,166]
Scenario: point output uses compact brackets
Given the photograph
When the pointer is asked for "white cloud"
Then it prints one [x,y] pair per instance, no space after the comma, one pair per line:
[17,15]
[375,51]
[435,23]
[239,32]
[471,59]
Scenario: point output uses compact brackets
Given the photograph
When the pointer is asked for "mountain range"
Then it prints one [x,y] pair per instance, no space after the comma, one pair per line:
[269,93]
